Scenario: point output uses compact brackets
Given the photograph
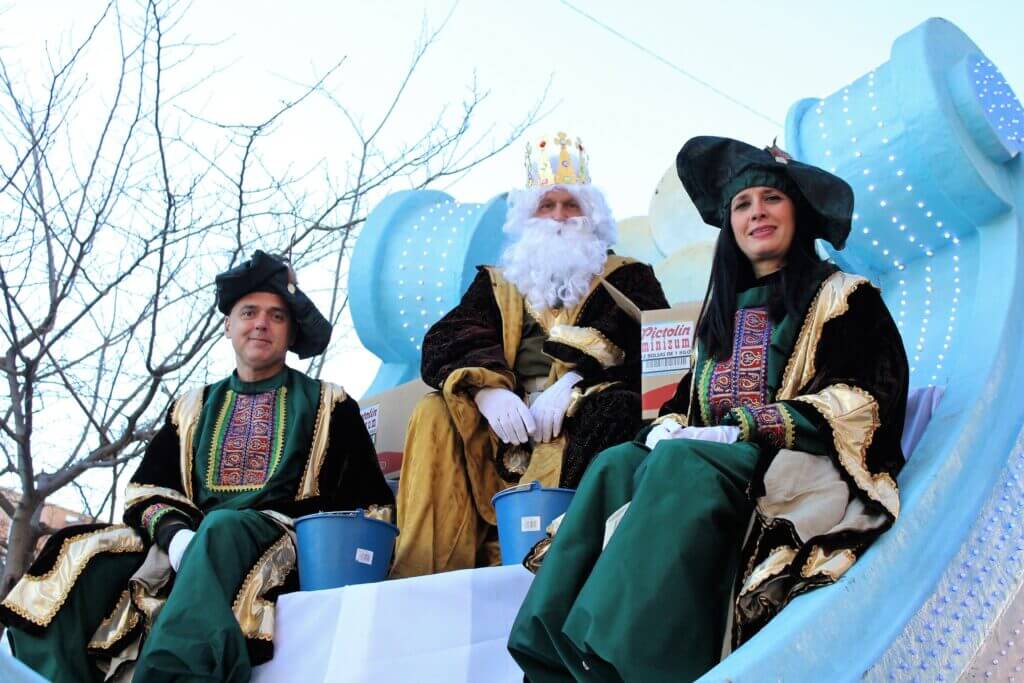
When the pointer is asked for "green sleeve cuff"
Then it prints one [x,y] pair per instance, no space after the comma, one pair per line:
[743,418]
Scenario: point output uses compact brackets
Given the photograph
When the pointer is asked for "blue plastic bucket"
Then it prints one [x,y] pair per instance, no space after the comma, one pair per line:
[343,548]
[524,513]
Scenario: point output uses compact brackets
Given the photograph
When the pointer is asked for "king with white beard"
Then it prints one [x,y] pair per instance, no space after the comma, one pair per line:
[537,369]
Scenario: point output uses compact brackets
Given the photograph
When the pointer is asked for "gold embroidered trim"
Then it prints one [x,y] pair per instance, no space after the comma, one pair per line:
[39,598]
[773,565]
[214,461]
[116,625]
[589,341]
[694,372]
[147,602]
[852,414]
[832,565]
[579,395]
[746,428]
[185,417]
[140,493]
[255,615]
[703,380]
[678,417]
[831,301]
[330,394]
[788,427]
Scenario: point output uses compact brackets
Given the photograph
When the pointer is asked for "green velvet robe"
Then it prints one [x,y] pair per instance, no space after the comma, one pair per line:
[235,462]
[820,405]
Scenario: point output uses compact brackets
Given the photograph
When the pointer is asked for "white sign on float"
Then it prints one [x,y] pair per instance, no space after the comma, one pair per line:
[371,416]
[666,346]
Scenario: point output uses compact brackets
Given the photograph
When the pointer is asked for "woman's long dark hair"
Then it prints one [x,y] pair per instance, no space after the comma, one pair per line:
[731,272]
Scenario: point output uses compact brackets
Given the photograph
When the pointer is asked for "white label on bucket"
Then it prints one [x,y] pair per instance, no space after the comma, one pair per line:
[364,556]
[530,523]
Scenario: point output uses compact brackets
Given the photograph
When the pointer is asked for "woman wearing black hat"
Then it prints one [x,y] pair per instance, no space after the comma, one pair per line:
[769,472]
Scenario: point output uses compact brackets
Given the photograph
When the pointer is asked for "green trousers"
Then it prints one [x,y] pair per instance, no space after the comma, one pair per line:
[195,637]
[652,605]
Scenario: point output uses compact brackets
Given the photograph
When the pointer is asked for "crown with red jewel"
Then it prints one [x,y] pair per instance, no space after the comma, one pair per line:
[556,160]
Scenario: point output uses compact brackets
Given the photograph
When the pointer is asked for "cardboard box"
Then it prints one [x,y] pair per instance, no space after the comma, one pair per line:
[666,347]
[386,416]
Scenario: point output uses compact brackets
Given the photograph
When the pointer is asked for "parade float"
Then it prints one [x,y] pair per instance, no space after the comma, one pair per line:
[931,142]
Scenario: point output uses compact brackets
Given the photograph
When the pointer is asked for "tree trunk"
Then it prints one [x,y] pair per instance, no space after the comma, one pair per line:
[21,545]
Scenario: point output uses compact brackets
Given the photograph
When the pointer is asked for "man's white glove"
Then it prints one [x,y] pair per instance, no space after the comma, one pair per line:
[549,409]
[176,548]
[506,413]
[670,429]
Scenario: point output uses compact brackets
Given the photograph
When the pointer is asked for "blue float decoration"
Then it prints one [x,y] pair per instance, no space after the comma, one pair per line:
[931,142]
[413,260]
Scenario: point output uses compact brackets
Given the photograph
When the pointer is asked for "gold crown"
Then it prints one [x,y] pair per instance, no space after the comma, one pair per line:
[556,160]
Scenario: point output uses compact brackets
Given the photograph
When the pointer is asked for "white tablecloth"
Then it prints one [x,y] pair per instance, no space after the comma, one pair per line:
[447,627]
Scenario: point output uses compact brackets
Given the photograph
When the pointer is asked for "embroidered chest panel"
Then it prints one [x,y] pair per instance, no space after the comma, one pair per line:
[247,441]
[741,379]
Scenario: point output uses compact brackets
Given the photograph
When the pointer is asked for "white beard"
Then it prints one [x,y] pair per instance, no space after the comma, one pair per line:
[552,264]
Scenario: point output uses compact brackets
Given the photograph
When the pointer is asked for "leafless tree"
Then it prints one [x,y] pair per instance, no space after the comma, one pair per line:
[117,206]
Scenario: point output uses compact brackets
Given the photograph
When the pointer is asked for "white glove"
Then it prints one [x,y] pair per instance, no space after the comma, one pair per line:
[506,413]
[549,409]
[670,429]
[176,548]
[720,434]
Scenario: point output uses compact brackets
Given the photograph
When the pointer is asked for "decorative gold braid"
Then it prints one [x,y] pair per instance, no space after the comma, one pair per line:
[254,614]
[804,350]
[678,417]
[589,341]
[213,459]
[148,605]
[703,396]
[746,428]
[36,601]
[330,394]
[694,384]
[136,494]
[775,563]
[875,486]
[185,418]
[817,558]
[116,625]
[274,459]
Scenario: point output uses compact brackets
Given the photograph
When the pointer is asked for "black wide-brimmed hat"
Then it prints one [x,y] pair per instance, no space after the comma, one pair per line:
[714,169]
[266,273]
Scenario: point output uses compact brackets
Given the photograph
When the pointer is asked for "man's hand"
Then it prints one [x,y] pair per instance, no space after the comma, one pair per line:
[549,409]
[506,413]
[176,548]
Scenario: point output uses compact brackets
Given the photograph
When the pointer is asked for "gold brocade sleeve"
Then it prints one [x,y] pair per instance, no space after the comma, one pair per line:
[852,414]
[589,341]
[38,598]
[330,395]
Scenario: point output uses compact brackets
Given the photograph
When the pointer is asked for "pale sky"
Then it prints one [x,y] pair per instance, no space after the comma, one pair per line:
[632,110]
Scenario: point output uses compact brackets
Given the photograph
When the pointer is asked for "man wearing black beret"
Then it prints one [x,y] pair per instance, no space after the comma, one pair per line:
[185,588]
